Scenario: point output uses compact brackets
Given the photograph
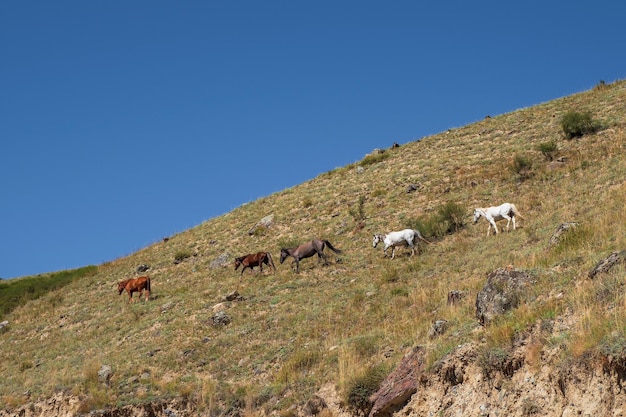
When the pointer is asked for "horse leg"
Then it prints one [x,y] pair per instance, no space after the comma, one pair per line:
[393,252]
[513,217]
[410,245]
[493,223]
[321,255]
[508,221]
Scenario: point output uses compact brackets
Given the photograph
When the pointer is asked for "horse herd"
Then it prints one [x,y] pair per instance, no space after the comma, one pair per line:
[403,238]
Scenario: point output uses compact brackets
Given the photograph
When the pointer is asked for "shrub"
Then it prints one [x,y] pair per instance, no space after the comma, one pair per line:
[358,212]
[602,85]
[452,215]
[548,149]
[181,256]
[448,218]
[577,124]
[522,166]
[360,388]
[374,158]
[492,360]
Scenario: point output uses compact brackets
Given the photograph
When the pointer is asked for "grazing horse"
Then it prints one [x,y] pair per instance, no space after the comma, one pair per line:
[506,211]
[135,285]
[254,259]
[306,250]
[406,237]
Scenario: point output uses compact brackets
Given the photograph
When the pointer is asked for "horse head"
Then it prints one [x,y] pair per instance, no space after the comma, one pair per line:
[477,213]
[377,240]
[121,286]
[238,262]
[283,255]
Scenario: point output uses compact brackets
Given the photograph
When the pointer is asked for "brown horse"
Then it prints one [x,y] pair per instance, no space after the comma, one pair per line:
[254,259]
[135,285]
[306,250]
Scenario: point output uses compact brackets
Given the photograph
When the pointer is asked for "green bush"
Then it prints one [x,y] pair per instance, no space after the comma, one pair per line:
[181,255]
[548,149]
[522,166]
[452,216]
[577,124]
[447,219]
[358,212]
[374,158]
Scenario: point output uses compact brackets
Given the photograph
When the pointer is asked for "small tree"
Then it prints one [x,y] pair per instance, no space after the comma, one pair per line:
[577,124]
[548,149]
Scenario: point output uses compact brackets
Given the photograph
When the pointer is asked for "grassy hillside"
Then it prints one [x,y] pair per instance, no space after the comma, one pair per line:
[291,333]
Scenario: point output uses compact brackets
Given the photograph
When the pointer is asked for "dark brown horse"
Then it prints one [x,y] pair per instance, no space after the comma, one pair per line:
[135,285]
[306,250]
[254,259]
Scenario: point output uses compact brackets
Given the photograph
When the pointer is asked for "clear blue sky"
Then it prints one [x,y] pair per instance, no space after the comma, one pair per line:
[122,122]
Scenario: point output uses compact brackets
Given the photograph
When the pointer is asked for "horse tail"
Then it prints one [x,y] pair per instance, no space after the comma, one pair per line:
[334,249]
[419,235]
[515,211]
[269,258]
[148,283]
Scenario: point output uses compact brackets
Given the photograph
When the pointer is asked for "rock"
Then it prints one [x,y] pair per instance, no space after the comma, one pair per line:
[221,261]
[455,297]
[314,406]
[438,328]
[265,223]
[104,375]
[606,264]
[502,292]
[221,318]
[397,389]
[233,296]
[564,227]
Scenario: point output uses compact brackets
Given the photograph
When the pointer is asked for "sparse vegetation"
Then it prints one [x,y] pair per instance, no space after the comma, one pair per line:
[358,211]
[361,387]
[349,323]
[548,149]
[181,255]
[522,166]
[374,158]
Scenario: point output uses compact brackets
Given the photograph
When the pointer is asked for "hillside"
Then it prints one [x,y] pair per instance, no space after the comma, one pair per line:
[291,335]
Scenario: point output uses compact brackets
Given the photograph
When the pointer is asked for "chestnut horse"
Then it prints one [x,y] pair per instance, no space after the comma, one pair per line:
[306,250]
[254,259]
[135,285]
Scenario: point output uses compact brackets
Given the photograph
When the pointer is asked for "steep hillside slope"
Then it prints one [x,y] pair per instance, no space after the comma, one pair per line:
[286,335]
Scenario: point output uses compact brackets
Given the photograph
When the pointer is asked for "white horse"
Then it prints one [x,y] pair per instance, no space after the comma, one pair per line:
[406,237]
[506,211]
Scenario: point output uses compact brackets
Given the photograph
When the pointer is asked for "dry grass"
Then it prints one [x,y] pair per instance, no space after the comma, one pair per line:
[294,332]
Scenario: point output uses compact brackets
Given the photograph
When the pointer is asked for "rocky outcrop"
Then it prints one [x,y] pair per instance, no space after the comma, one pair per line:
[609,262]
[502,292]
[399,386]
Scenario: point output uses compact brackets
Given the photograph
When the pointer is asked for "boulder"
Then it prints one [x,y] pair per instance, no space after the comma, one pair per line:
[397,389]
[502,292]
[607,263]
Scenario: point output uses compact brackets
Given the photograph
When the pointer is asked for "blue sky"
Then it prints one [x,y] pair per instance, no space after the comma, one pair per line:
[125,122]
